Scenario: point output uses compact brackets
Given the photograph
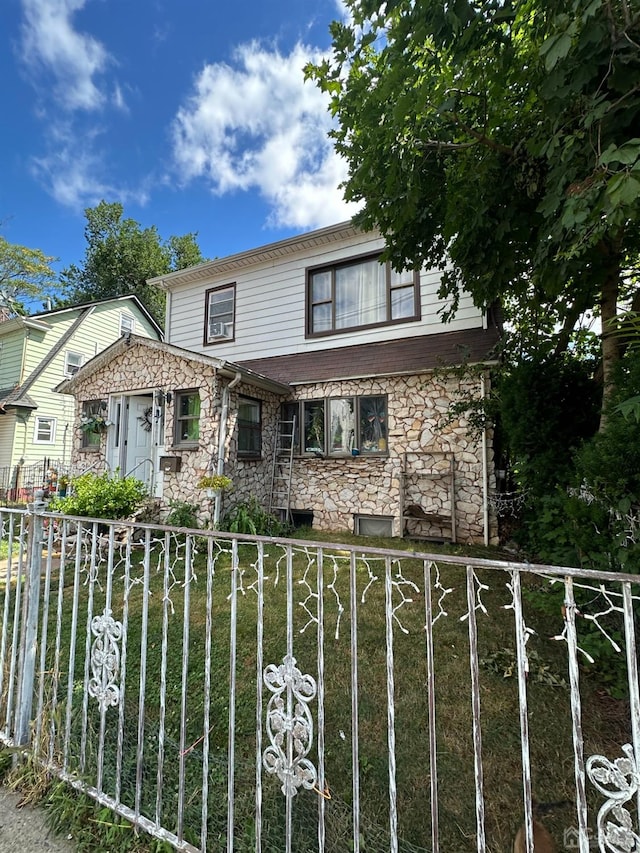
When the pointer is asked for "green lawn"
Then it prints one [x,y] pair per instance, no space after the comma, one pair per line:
[549,713]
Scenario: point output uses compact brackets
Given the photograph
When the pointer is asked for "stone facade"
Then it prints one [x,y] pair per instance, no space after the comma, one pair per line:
[421,445]
[416,471]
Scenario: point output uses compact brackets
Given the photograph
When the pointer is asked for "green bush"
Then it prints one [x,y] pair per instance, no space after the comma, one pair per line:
[548,407]
[251,518]
[102,496]
[183,514]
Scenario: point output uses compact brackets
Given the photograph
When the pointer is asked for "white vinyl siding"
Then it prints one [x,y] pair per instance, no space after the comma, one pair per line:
[270,312]
[44,430]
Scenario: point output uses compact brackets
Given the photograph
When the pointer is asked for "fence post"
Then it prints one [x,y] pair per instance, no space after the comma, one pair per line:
[29,631]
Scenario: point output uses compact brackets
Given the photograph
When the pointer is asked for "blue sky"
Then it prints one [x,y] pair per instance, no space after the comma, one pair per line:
[193,115]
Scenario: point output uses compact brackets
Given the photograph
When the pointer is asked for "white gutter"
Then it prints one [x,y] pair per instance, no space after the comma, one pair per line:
[222,438]
[485,470]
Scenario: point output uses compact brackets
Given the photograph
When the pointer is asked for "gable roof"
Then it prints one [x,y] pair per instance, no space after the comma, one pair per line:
[18,397]
[129,297]
[226,368]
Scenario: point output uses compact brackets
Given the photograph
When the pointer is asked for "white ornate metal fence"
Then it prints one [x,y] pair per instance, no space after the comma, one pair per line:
[232,692]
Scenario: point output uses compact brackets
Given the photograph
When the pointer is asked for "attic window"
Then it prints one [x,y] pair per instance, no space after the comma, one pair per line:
[219,324]
[127,324]
[72,363]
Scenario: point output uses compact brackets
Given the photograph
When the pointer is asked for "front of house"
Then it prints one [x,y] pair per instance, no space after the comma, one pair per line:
[309,362]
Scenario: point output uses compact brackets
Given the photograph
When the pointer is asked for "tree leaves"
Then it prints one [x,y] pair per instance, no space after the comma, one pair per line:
[499,139]
[121,256]
[24,273]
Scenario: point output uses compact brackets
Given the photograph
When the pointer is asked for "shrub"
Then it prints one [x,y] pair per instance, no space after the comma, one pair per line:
[183,514]
[250,517]
[102,496]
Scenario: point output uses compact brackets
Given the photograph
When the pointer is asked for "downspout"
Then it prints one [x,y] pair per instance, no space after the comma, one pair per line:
[222,438]
[485,469]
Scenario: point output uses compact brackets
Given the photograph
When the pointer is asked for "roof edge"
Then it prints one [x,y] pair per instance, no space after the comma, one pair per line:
[256,255]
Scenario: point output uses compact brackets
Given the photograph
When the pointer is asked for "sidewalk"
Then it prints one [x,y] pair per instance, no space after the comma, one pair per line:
[23,829]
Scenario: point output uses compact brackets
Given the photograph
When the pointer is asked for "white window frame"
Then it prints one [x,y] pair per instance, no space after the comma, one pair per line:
[220,325]
[127,324]
[67,372]
[36,430]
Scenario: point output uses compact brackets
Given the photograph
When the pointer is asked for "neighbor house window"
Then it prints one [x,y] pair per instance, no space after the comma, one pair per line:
[354,294]
[187,424]
[219,314]
[72,363]
[127,324]
[44,431]
[340,426]
[249,428]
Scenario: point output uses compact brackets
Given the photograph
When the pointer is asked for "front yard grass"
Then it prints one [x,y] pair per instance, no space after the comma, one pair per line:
[604,720]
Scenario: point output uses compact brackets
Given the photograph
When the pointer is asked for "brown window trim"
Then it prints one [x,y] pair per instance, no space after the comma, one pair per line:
[345,262]
[226,340]
[326,454]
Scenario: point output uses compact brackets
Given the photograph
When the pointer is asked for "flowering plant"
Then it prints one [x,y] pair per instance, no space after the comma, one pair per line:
[94,423]
[217,482]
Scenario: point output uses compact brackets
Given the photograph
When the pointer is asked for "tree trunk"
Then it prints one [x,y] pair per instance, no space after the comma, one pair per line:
[609,340]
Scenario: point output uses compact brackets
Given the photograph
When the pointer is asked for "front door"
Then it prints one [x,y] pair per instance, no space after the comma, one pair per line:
[132,451]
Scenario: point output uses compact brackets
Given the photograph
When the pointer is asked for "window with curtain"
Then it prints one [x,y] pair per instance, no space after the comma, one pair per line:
[360,293]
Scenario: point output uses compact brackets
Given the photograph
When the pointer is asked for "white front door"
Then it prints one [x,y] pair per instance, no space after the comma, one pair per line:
[137,459]
[135,443]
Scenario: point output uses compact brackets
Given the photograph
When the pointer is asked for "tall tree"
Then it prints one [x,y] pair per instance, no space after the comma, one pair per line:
[121,256]
[24,274]
[500,141]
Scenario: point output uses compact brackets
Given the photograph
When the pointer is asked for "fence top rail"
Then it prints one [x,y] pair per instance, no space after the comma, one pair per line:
[357,549]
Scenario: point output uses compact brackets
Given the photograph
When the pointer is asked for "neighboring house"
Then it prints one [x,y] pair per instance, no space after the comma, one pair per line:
[36,354]
[317,329]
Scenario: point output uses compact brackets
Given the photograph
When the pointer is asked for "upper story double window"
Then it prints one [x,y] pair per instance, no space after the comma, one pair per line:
[359,293]
[219,319]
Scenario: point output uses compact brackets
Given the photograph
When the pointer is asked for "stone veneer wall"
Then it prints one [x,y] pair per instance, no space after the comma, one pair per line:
[141,370]
[336,489]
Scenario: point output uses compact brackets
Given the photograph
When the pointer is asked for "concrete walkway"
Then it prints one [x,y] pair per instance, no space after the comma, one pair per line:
[23,828]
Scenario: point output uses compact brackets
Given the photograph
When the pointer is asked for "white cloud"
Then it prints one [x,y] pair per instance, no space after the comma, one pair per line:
[70,59]
[73,171]
[259,126]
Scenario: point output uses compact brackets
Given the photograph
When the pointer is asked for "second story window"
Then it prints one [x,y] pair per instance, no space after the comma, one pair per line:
[219,314]
[72,363]
[360,293]
[187,422]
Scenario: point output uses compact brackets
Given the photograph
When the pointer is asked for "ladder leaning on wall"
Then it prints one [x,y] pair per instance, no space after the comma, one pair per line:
[282,469]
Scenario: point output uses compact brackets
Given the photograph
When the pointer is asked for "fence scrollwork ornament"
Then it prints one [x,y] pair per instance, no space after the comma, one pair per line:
[289,726]
[105,660]
[618,781]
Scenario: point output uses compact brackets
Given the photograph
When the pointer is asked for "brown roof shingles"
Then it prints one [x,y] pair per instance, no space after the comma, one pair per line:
[403,356]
